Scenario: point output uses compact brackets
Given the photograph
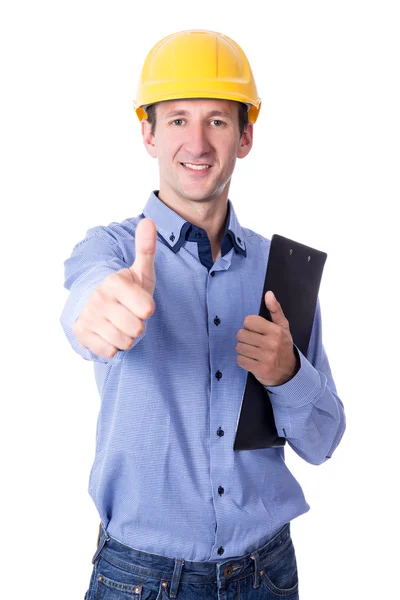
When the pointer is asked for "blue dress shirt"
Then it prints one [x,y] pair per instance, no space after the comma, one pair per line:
[165,477]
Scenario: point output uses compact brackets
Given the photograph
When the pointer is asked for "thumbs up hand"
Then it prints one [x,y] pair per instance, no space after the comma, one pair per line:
[266,348]
[114,315]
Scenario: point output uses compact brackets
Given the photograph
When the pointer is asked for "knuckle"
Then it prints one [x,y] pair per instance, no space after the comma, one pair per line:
[112,278]
[149,308]
[85,313]
[139,330]
[80,331]
[109,352]
[111,283]
[97,298]
[126,343]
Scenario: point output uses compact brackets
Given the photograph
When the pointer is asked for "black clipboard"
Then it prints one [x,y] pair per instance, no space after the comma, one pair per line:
[294,273]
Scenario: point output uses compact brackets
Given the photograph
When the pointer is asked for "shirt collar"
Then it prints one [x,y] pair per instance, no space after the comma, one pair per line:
[172,228]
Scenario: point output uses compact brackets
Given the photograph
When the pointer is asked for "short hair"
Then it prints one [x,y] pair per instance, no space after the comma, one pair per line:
[243,117]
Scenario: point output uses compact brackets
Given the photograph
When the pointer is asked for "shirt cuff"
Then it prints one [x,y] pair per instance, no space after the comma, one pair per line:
[302,389]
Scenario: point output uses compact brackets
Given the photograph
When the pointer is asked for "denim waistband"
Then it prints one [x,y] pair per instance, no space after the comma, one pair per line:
[174,570]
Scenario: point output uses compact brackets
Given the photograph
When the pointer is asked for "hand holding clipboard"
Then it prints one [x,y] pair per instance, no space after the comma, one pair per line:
[294,273]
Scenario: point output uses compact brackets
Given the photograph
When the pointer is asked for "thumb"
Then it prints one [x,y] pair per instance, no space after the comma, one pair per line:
[275,309]
[145,249]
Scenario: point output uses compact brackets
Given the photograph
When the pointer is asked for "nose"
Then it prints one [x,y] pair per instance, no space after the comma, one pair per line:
[197,143]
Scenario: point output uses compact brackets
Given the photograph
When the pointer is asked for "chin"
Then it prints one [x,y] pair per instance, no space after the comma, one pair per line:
[198,198]
[201,195]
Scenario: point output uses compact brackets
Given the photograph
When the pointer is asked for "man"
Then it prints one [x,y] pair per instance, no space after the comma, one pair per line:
[166,306]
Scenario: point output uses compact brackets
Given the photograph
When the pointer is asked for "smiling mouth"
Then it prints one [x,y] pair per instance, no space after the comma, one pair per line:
[196,167]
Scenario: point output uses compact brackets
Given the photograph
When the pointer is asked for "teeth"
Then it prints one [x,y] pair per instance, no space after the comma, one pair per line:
[196,167]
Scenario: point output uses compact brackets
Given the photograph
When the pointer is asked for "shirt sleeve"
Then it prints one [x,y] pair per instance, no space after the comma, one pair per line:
[91,260]
[307,409]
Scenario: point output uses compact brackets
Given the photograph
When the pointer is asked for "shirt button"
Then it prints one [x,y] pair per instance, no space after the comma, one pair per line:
[217,321]
[218,375]
[172,237]
[220,490]
[220,432]
[197,234]
[220,550]
[212,273]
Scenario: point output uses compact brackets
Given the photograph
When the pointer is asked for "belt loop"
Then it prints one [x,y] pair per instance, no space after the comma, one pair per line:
[103,537]
[255,556]
[176,577]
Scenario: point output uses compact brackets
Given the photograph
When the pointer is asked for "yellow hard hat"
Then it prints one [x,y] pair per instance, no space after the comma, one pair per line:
[196,64]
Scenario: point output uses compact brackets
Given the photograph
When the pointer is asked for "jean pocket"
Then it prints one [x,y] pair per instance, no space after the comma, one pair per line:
[115,584]
[279,572]
[110,589]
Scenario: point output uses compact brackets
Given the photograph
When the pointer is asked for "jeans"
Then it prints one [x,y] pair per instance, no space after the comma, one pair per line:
[123,573]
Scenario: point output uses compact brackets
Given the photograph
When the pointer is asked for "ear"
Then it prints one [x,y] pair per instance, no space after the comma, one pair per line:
[148,138]
[246,141]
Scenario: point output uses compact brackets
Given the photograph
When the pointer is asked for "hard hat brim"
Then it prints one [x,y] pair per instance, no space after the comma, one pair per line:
[254,108]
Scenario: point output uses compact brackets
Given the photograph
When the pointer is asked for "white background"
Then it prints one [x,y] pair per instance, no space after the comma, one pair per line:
[324,170]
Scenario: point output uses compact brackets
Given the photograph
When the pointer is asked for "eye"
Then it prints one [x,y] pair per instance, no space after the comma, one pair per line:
[177,122]
[217,122]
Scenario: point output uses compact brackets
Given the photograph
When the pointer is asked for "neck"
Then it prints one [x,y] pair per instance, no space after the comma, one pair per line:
[209,215]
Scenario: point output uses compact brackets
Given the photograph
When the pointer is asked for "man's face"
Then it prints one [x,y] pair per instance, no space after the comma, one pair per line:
[196,143]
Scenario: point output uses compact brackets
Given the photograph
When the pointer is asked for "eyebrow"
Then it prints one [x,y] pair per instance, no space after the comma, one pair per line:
[179,112]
